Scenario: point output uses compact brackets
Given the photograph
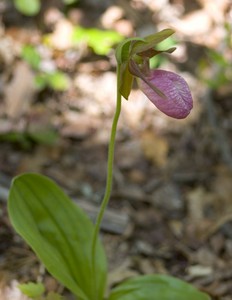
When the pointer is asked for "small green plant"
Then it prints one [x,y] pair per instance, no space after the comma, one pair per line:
[101,41]
[61,234]
[55,80]
[26,139]
[32,7]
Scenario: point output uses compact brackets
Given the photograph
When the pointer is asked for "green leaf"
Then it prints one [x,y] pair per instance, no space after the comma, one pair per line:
[151,41]
[156,287]
[46,136]
[41,81]
[58,81]
[32,290]
[31,56]
[20,138]
[218,58]
[28,7]
[101,41]
[59,232]
[54,296]
[68,2]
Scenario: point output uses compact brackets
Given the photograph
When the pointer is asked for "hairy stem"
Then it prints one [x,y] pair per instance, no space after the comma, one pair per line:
[109,179]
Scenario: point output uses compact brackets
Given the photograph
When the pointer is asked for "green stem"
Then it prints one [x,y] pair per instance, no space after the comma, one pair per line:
[109,179]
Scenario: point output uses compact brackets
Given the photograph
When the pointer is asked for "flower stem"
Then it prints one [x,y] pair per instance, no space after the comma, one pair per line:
[109,179]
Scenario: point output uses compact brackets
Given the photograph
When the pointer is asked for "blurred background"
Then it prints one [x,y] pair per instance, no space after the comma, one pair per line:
[171,206]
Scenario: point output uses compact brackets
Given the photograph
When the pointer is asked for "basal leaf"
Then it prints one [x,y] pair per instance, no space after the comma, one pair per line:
[59,232]
[156,287]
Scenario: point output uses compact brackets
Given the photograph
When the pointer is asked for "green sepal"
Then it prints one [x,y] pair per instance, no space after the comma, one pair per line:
[125,80]
[150,41]
[153,52]
[156,287]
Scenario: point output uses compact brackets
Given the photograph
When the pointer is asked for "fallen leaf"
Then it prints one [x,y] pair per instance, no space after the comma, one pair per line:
[20,91]
[61,38]
[155,148]
[199,271]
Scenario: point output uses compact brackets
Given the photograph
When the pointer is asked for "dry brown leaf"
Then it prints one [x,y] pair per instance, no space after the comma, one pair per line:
[20,91]
[199,271]
[78,125]
[121,273]
[129,154]
[195,23]
[169,199]
[111,15]
[196,203]
[222,188]
[61,39]
[155,148]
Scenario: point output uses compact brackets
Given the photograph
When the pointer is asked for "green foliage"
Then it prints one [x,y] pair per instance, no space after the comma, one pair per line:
[59,232]
[32,290]
[32,7]
[57,81]
[19,138]
[28,7]
[154,287]
[224,66]
[31,56]
[26,139]
[36,291]
[45,136]
[53,296]
[69,2]
[101,41]
[221,66]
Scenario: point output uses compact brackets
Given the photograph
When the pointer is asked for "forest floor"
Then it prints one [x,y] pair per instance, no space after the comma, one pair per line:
[171,205]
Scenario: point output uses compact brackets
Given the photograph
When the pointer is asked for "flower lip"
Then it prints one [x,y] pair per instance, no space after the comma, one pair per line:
[178,101]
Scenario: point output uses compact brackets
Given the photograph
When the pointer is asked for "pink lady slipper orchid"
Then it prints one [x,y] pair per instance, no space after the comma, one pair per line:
[177,101]
[168,91]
